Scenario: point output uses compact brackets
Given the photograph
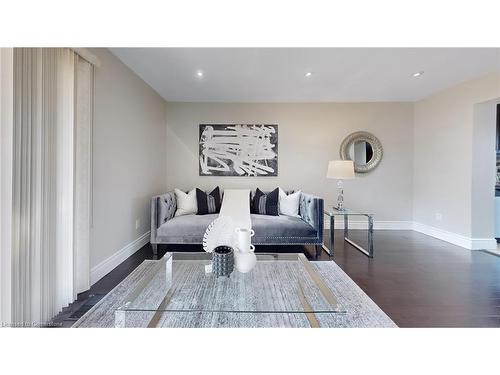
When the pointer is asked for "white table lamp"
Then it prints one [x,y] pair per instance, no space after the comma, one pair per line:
[340,170]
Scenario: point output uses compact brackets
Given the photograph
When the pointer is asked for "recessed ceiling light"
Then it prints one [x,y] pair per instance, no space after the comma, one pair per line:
[418,74]
[199,74]
[308,74]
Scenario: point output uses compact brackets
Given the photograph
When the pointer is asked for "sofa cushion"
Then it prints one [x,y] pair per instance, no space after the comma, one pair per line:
[186,202]
[185,228]
[208,203]
[268,229]
[265,204]
[289,203]
[285,228]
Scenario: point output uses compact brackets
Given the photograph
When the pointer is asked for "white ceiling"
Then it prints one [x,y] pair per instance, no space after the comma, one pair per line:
[278,74]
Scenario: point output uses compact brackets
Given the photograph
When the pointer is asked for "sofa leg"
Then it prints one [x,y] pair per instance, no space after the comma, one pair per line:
[155,248]
[319,249]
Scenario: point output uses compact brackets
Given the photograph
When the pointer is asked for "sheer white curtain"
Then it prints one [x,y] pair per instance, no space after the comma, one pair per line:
[51,183]
[83,171]
[6,130]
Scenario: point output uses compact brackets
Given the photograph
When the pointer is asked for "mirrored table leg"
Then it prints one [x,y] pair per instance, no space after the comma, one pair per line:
[332,234]
[346,226]
[370,236]
[369,252]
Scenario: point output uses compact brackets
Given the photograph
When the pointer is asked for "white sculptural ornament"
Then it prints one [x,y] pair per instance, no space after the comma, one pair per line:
[220,232]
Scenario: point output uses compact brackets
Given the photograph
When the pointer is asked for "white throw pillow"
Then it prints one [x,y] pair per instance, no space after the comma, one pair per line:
[289,204]
[186,203]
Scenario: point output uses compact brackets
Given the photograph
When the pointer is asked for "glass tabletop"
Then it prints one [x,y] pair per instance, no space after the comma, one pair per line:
[177,289]
[331,210]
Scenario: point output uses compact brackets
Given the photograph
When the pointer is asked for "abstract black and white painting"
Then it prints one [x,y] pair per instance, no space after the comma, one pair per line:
[238,150]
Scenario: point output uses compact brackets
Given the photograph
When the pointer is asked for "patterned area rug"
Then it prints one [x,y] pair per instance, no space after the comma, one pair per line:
[360,310]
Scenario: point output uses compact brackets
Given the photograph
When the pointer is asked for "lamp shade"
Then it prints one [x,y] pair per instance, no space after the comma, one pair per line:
[340,169]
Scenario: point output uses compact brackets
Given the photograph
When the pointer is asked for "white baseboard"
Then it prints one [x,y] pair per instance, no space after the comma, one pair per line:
[483,244]
[456,239]
[378,225]
[107,265]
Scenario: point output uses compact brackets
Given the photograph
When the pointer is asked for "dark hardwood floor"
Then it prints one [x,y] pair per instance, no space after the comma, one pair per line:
[417,280]
[420,281]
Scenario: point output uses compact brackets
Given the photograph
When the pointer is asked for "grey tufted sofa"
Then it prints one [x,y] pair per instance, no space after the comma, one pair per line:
[278,230]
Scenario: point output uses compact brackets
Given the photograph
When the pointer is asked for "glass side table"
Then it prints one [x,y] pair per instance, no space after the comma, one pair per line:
[332,212]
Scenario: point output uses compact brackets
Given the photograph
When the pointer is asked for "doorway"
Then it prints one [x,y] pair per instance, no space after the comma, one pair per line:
[485,148]
[497,182]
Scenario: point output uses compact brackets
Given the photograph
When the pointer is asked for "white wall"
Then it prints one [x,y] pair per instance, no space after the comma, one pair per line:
[129,165]
[445,145]
[309,136]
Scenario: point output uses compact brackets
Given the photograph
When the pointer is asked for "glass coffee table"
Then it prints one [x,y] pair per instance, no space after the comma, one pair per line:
[283,290]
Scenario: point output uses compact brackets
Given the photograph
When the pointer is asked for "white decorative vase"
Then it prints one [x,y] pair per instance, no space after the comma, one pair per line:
[245,261]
